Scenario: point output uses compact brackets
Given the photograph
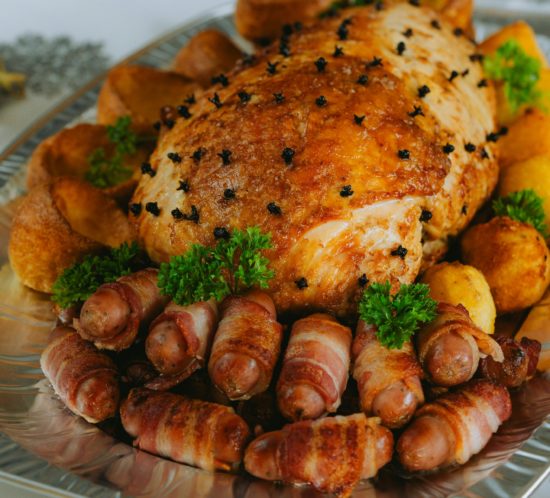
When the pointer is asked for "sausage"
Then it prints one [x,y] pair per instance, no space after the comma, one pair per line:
[246,345]
[181,337]
[198,433]
[112,316]
[517,367]
[388,380]
[84,378]
[454,427]
[331,454]
[315,368]
[449,347]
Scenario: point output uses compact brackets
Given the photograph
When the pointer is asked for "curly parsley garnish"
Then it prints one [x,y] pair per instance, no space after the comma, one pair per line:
[80,281]
[234,264]
[525,206]
[396,317]
[106,172]
[519,72]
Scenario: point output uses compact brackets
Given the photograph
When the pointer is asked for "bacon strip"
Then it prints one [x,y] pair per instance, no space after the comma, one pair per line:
[388,380]
[454,427]
[180,338]
[112,316]
[331,454]
[84,378]
[198,433]
[449,347]
[315,368]
[246,346]
[517,367]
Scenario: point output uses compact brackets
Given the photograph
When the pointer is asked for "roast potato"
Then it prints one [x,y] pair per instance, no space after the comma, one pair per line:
[525,36]
[140,92]
[528,136]
[533,173]
[513,257]
[206,55]
[522,33]
[57,224]
[263,19]
[66,154]
[455,283]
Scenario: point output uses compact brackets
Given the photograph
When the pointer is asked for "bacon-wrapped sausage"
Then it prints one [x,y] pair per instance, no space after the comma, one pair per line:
[315,368]
[519,365]
[454,427]
[180,338]
[84,378]
[450,346]
[388,380]
[112,316]
[198,433]
[331,454]
[246,345]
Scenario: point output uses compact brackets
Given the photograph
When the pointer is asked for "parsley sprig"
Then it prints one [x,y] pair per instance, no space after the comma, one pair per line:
[81,280]
[108,171]
[523,205]
[519,72]
[233,265]
[396,317]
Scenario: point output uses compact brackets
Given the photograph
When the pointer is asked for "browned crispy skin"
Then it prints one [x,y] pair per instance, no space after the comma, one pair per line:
[331,454]
[85,379]
[198,433]
[388,380]
[517,367]
[114,314]
[449,346]
[454,427]
[315,368]
[332,149]
[206,55]
[246,345]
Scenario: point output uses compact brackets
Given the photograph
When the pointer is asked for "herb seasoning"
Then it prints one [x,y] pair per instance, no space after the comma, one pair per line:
[301,283]
[176,214]
[198,154]
[426,215]
[272,67]
[448,148]
[423,91]
[400,251]
[146,169]
[417,111]
[288,155]
[216,100]
[229,193]
[401,47]
[470,147]
[221,79]
[338,51]
[482,83]
[404,154]
[174,157]
[184,186]
[363,280]
[225,156]
[153,208]
[321,101]
[274,209]
[183,111]
[221,233]
[279,98]
[346,191]
[244,97]
[454,74]
[407,33]
[321,64]
[363,79]
[135,209]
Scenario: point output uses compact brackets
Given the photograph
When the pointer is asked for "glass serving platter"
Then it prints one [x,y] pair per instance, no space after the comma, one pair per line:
[45,448]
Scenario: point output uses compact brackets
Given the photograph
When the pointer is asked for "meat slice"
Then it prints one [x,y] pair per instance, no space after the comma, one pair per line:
[335,154]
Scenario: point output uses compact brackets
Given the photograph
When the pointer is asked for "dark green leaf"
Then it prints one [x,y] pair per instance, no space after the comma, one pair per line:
[525,206]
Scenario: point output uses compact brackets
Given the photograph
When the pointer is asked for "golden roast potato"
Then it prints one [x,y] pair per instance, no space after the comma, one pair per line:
[513,257]
[533,173]
[455,283]
[57,224]
[206,55]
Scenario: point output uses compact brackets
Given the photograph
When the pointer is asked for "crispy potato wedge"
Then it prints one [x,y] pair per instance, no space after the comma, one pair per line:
[528,136]
[263,19]
[514,259]
[140,92]
[57,224]
[206,55]
[66,154]
[455,283]
[533,173]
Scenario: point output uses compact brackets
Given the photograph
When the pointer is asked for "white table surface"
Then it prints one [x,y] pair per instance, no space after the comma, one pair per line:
[122,26]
